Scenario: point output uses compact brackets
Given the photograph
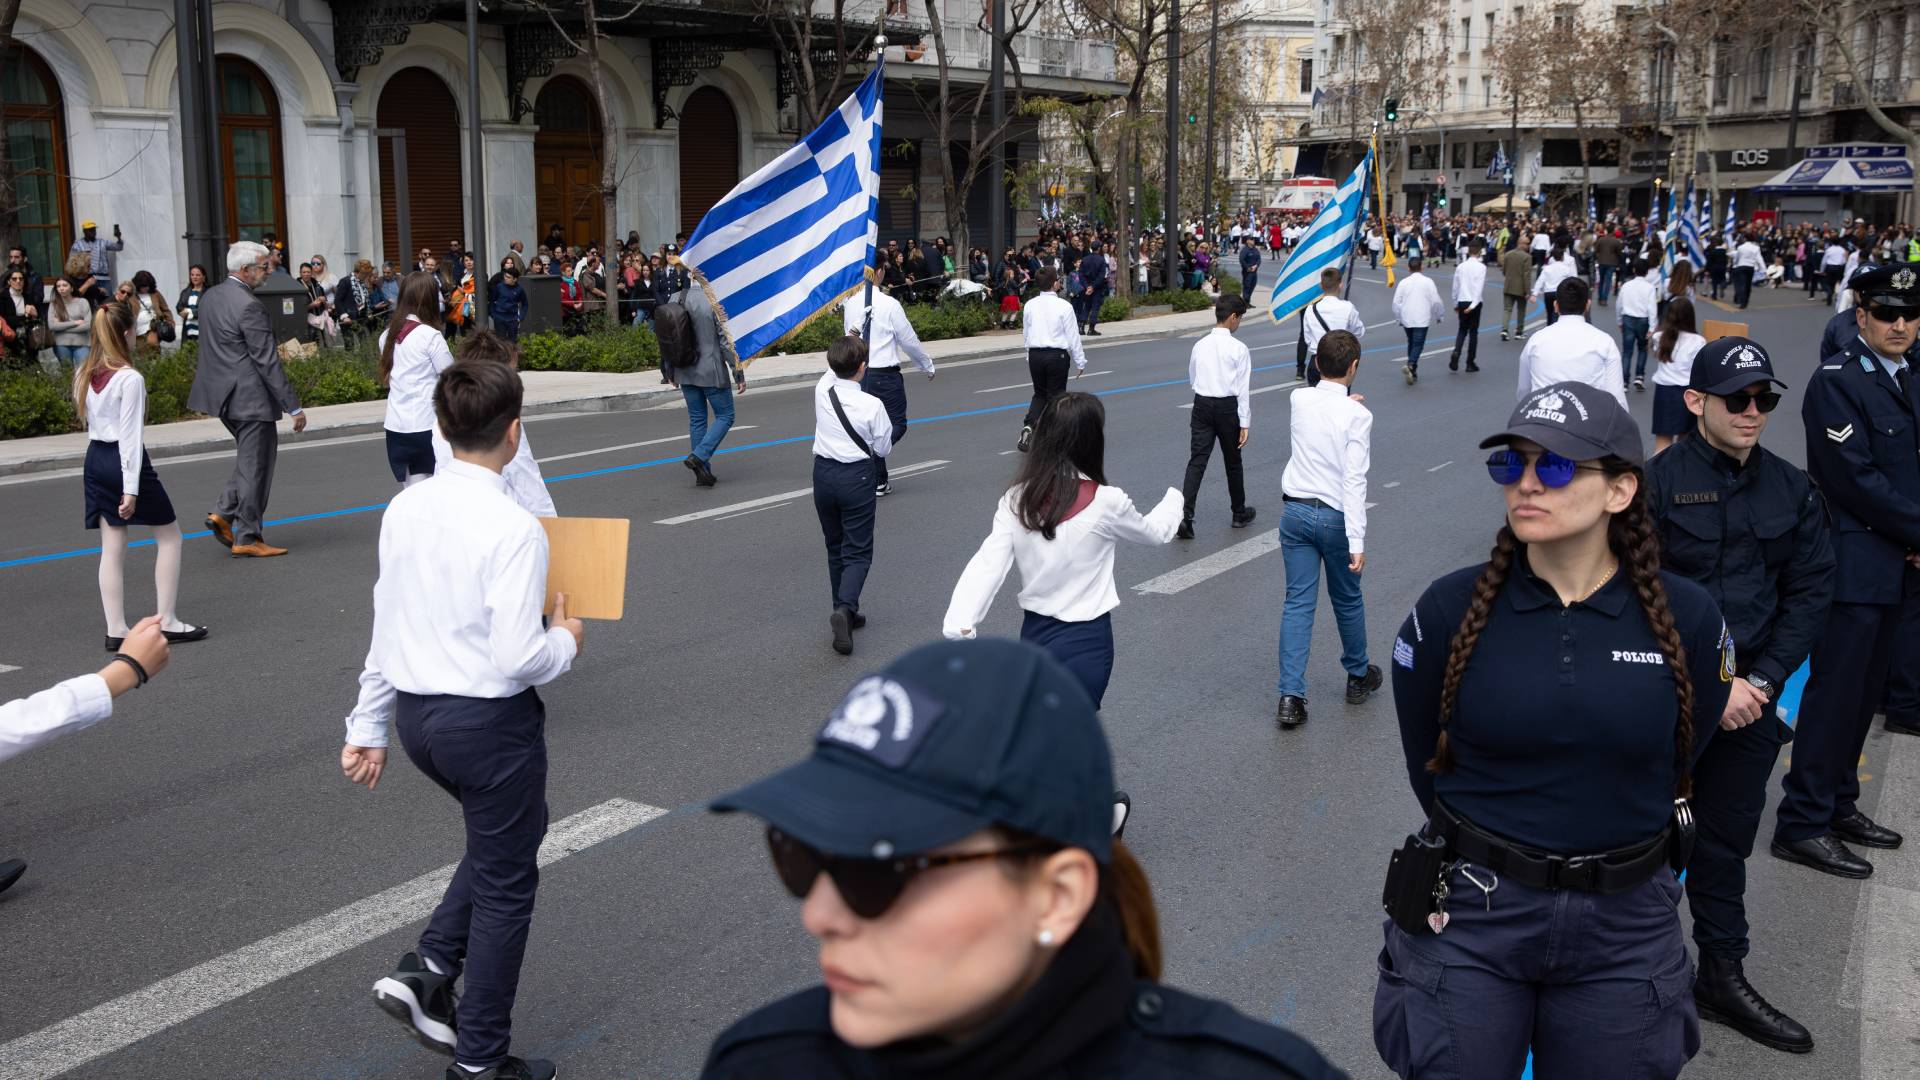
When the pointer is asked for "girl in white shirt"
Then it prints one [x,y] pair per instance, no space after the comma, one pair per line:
[1679,343]
[525,485]
[1059,521]
[412,355]
[121,487]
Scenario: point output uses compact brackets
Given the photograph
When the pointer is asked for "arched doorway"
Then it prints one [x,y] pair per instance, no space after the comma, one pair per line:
[250,155]
[36,135]
[417,102]
[567,162]
[709,154]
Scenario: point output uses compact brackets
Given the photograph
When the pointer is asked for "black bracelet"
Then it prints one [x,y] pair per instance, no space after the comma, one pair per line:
[138,671]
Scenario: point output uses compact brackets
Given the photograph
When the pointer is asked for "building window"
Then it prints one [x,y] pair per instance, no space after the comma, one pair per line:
[1483,154]
[1486,90]
[1760,72]
[1722,72]
[1457,153]
[1803,64]
[250,153]
[1306,75]
[1463,93]
[36,140]
[1466,34]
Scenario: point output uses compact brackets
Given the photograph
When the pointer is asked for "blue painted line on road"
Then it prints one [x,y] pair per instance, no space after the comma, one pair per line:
[56,556]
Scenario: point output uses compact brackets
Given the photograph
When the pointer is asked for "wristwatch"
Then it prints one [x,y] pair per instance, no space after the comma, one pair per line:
[1759,682]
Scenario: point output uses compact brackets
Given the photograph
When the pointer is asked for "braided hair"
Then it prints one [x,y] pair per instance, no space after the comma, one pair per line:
[1631,537]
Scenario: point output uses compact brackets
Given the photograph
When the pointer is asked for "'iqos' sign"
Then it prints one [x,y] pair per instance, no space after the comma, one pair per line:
[1747,158]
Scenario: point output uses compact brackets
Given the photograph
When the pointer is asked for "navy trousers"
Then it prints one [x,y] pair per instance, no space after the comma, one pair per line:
[887,385]
[1902,696]
[1849,675]
[1599,986]
[1729,798]
[1083,648]
[490,755]
[843,497]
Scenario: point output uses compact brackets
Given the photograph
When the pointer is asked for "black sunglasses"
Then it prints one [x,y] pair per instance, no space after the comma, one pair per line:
[1881,313]
[1508,466]
[1767,400]
[869,886]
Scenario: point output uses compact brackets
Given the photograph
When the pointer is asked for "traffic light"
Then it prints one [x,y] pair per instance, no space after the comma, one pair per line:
[1443,199]
[1193,118]
[1393,110]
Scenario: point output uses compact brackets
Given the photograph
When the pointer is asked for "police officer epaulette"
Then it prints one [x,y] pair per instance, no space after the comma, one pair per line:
[1213,1039]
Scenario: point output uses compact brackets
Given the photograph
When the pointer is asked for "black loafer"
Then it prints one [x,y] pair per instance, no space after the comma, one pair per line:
[1824,853]
[1185,531]
[1858,828]
[842,622]
[176,637]
[1244,518]
[114,643]
[1293,712]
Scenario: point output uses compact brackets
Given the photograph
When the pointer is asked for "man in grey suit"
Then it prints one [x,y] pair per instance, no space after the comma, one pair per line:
[238,378]
[706,385]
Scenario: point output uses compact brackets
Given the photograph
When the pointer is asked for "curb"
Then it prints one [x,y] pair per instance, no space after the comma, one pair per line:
[626,401]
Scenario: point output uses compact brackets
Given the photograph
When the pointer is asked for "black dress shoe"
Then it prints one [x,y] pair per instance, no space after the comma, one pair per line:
[114,643]
[1472,367]
[1723,995]
[1244,518]
[191,633]
[10,871]
[511,1069]
[859,620]
[1362,688]
[1858,828]
[1293,712]
[1824,853]
[1901,728]
[1185,531]
[842,622]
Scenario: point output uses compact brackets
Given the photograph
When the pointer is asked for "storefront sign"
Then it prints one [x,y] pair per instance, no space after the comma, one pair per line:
[1883,170]
[1862,150]
[1645,160]
[1809,172]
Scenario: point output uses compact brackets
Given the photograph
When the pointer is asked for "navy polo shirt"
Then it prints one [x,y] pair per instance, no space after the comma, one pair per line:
[1562,732]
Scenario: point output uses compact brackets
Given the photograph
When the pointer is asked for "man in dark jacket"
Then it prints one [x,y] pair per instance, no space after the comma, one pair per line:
[1093,285]
[1249,267]
[507,304]
[1607,251]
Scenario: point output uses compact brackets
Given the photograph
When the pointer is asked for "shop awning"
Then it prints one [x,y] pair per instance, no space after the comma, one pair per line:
[1823,176]
[1626,180]
[1498,204]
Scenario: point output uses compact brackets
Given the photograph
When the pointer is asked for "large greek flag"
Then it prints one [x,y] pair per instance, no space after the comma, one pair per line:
[794,238]
[1326,243]
[1690,230]
[1728,230]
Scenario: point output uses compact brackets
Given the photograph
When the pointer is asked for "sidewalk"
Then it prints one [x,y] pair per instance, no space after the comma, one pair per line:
[546,392]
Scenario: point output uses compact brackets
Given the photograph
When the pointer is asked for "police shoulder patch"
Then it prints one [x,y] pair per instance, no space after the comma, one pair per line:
[1726,653]
[1403,653]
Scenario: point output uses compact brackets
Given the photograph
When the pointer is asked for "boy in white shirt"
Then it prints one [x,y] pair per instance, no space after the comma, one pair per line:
[851,435]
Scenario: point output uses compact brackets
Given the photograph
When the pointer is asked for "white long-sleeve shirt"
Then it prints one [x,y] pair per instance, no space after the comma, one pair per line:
[1339,314]
[1069,577]
[1469,280]
[864,411]
[1640,298]
[524,483]
[1572,350]
[456,610]
[1748,254]
[1048,322]
[1332,447]
[25,723]
[1552,274]
[893,337]
[418,360]
[1416,301]
[118,414]
[1222,366]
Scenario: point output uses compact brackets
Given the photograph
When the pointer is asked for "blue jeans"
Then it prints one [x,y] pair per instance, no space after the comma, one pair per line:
[72,354]
[1416,344]
[1309,536]
[1605,287]
[1633,337]
[705,438]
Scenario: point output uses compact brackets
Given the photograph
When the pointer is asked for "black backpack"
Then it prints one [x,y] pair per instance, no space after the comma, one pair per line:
[673,328]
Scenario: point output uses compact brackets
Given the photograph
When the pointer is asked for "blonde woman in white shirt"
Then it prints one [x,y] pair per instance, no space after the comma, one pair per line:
[1060,521]
[121,487]
[413,353]
[1679,342]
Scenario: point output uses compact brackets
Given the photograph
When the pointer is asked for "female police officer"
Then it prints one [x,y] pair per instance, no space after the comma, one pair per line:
[1551,704]
[950,836]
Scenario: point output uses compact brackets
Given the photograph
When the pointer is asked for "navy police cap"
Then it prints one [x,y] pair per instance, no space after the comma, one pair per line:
[1896,285]
[1729,365]
[947,740]
[1575,420]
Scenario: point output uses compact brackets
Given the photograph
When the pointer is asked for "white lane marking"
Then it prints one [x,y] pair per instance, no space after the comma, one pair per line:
[1264,389]
[768,500]
[1212,565]
[4,668]
[630,446]
[1029,385]
[1440,466]
[1004,453]
[125,1020]
[1394,484]
[755,510]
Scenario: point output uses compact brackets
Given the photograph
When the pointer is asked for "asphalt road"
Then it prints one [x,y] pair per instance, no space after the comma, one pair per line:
[207,897]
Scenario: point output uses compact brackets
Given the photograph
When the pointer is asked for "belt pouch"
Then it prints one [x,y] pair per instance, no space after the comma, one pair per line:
[1413,874]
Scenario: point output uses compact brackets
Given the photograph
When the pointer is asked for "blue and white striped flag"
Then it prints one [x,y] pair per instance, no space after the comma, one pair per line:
[1592,214]
[1498,166]
[1327,242]
[1729,229]
[796,237]
[1690,229]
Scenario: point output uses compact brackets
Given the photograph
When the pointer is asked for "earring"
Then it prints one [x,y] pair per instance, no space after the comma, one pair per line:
[1046,938]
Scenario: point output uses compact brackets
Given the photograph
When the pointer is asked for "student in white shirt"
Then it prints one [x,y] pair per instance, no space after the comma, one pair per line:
[1327,314]
[1059,522]
[1051,331]
[1639,304]
[1680,341]
[1747,264]
[1469,283]
[1833,263]
[457,651]
[890,339]
[525,485]
[1416,307]
[1559,268]
[77,703]
[1572,349]
[1325,522]
[412,355]
[1220,368]
[851,434]
[120,485]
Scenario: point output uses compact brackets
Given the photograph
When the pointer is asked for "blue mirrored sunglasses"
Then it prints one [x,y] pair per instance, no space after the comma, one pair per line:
[1508,466]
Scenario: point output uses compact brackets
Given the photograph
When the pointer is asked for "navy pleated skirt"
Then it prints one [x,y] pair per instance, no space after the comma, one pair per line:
[152,507]
[410,453]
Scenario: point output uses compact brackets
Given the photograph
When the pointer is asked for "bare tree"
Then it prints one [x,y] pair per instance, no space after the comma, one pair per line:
[1704,34]
[1589,75]
[1398,53]
[585,36]
[1860,33]
[819,46]
[1518,50]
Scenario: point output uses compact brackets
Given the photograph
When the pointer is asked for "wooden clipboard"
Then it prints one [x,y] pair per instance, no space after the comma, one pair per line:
[587,560]
[1713,329]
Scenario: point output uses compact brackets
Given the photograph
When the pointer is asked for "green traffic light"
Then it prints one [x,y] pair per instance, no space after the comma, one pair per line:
[1193,118]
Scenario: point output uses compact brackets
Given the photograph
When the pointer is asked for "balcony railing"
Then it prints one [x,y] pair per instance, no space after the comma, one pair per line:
[1643,114]
[1885,92]
[1066,58]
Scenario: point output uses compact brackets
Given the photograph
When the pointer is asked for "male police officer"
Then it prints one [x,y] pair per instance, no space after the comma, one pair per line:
[1750,527]
[1863,450]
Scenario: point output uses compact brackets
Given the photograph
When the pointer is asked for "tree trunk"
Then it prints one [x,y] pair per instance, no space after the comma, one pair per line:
[609,157]
[9,199]
[956,208]
[1586,166]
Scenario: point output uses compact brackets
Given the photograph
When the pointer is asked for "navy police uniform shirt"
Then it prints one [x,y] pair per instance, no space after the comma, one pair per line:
[1563,728]
[1755,535]
[1863,451]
